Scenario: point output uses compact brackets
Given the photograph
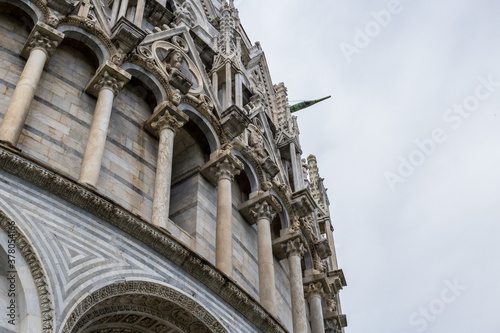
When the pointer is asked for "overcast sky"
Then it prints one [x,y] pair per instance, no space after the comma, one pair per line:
[409,147]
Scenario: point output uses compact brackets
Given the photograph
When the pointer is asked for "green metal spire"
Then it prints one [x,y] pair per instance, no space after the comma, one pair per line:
[306,104]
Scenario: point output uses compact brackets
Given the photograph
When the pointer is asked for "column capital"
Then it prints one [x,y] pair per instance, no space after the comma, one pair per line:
[108,76]
[225,169]
[42,37]
[263,204]
[314,289]
[262,210]
[165,115]
[222,164]
[294,247]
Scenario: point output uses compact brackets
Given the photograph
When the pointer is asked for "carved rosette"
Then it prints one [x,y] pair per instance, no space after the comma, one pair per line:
[107,81]
[262,210]
[225,169]
[314,290]
[294,247]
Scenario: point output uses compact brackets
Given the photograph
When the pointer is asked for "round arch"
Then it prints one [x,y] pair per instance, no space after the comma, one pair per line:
[144,304]
[148,79]
[94,43]
[203,124]
[249,170]
[29,8]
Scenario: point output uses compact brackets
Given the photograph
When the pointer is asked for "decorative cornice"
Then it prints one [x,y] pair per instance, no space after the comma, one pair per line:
[85,198]
[36,269]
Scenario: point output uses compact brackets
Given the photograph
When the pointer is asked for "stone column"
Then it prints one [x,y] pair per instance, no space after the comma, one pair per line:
[238,87]
[123,9]
[225,172]
[40,47]
[296,169]
[229,85]
[139,12]
[166,120]
[314,293]
[114,12]
[294,250]
[264,213]
[220,171]
[106,84]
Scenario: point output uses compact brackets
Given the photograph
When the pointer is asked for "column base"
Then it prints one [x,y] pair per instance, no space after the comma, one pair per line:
[9,145]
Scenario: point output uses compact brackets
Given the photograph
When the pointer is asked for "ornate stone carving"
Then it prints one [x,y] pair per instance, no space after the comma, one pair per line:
[107,81]
[314,290]
[222,164]
[226,169]
[167,121]
[37,272]
[42,37]
[183,14]
[108,76]
[294,247]
[263,210]
[165,115]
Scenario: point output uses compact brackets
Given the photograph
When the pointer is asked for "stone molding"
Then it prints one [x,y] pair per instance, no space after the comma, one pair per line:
[158,240]
[44,38]
[108,76]
[145,293]
[37,272]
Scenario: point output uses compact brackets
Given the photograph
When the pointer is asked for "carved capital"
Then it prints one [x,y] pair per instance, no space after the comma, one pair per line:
[167,121]
[314,290]
[225,169]
[222,164]
[107,81]
[294,247]
[165,115]
[108,76]
[44,38]
[262,210]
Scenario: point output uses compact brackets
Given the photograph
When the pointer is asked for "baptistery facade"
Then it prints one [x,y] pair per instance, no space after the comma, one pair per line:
[152,178]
